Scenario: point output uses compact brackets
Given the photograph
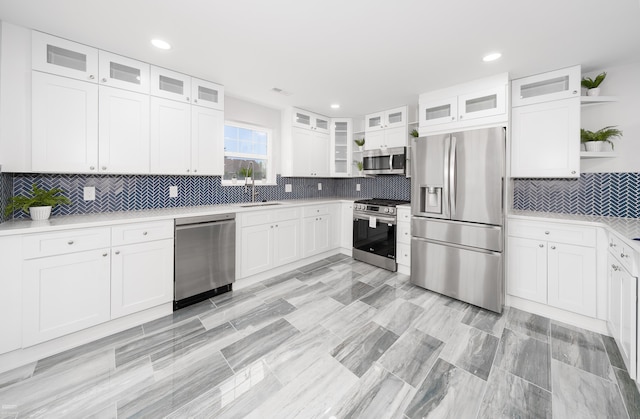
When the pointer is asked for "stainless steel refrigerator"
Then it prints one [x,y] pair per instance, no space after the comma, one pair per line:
[457,200]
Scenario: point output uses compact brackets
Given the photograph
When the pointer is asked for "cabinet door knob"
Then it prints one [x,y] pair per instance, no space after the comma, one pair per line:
[104,167]
[187,170]
[546,232]
[575,92]
[453,118]
[117,252]
[553,248]
[144,233]
[104,79]
[105,255]
[271,226]
[541,245]
[70,242]
[91,77]
[195,100]
[187,99]
[91,168]
[195,170]
[573,172]
[276,225]
[461,116]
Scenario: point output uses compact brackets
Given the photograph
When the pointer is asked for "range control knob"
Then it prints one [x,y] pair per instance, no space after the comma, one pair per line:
[387,210]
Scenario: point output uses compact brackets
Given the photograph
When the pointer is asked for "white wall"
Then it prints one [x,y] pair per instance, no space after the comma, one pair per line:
[239,110]
[623,82]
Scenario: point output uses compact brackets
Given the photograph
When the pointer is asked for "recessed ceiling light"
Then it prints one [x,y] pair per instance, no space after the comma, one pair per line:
[159,43]
[491,57]
[335,106]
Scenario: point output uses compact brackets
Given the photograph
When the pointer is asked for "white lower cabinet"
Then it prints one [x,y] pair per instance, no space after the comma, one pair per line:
[560,273]
[286,242]
[316,233]
[346,228]
[10,294]
[257,249]
[403,239]
[65,294]
[141,276]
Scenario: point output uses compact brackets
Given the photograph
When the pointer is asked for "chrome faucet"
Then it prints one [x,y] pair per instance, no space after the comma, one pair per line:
[253,182]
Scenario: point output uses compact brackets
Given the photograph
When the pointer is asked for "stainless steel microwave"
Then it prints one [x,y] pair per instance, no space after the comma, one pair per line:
[387,161]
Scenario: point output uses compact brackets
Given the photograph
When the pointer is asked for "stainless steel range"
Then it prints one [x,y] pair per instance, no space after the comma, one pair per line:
[374,232]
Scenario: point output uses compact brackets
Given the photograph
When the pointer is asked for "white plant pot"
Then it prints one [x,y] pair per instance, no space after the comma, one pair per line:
[593,92]
[593,145]
[360,147]
[40,213]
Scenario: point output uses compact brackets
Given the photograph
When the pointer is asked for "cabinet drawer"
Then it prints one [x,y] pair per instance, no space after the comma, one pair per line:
[285,214]
[60,243]
[560,233]
[316,210]
[404,233]
[403,254]
[141,232]
[404,214]
[623,254]
[269,216]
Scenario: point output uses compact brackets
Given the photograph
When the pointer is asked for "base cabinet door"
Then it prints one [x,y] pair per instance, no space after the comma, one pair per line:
[11,293]
[346,228]
[527,269]
[64,294]
[257,252]
[141,276]
[317,235]
[286,244]
[622,321]
[572,278]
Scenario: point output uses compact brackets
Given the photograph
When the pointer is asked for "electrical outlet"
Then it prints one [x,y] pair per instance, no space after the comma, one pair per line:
[89,193]
[288,187]
[173,191]
[319,186]
[358,187]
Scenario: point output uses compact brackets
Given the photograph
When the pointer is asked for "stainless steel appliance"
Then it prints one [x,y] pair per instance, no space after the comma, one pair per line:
[457,192]
[388,161]
[374,232]
[205,257]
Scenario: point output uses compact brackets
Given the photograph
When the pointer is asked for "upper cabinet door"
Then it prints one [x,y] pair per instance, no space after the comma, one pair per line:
[207,94]
[341,134]
[303,119]
[170,137]
[321,123]
[207,141]
[395,118]
[64,124]
[442,111]
[65,58]
[170,84]
[482,104]
[123,72]
[374,122]
[554,85]
[123,131]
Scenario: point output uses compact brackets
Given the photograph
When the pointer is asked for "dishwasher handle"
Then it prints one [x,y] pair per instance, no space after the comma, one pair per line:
[204,219]
[211,223]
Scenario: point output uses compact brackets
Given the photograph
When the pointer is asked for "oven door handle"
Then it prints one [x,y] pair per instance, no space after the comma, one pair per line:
[367,217]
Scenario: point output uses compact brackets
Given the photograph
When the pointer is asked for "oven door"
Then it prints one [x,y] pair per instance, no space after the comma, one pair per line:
[379,241]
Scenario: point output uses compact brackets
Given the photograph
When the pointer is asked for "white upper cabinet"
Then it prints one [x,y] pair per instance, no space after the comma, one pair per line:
[207,141]
[341,146]
[395,118]
[553,85]
[207,94]
[386,129]
[482,104]
[310,120]
[170,137]
[65,58]
[170,84]
[374,121]
[545,140]
[64,118]
[123,72]
[123,131]
[443,111]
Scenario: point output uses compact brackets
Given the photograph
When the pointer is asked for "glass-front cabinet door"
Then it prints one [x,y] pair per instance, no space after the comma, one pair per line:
[124,73]
[439,112]
[302,119]
[170,84]
[553,85]
[395,117]
[321,123]
[207,94]
[374,121]
[341,133]
[64,58]
[482,104]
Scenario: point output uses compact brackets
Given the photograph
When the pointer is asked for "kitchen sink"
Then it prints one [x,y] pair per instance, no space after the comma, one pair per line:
[261,204]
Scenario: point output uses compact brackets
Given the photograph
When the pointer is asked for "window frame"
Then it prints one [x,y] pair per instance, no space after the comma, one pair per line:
[271,176]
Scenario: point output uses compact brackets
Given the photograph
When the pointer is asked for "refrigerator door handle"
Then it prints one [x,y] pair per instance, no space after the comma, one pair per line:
[452,175]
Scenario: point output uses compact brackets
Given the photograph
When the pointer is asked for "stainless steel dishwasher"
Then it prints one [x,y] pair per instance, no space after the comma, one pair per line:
[205,258]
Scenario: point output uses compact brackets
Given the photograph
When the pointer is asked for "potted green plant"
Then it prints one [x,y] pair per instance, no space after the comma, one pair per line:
[247,172]
[39,204]
[359,166]
[414,133]
[592,85]
[359,143]
[593,140]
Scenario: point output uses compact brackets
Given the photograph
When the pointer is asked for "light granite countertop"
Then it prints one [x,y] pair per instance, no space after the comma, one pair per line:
[626,228]
[26,226]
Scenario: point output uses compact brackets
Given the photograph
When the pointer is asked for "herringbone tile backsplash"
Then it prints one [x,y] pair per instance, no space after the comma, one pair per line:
[603,194]
[131,193]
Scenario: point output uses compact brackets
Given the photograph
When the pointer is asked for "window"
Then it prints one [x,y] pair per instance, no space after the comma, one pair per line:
[247,153]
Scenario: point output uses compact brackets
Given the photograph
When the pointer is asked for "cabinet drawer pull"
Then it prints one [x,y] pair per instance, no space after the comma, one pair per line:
[117,252]
[553,248]
[91,77]
[547,232]
[144,233]
[91,168]
[70,242]
[104,80]
[105,255]
[541,245]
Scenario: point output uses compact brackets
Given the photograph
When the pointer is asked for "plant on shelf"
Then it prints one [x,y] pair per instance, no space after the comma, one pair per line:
[414,133]
[359,143]
[247,172]
[593,85]
[359,166]
[39,204]
[593,140]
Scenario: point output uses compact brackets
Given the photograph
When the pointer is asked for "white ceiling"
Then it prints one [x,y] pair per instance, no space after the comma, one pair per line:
[367,55]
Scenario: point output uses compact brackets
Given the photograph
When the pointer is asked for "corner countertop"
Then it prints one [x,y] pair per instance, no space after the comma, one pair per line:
[626,228]
[15,227]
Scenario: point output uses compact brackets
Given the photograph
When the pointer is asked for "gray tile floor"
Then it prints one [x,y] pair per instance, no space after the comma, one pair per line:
[335,339]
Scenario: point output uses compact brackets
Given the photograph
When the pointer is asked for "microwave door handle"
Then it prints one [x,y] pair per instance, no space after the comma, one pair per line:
[391,162]
[452,175]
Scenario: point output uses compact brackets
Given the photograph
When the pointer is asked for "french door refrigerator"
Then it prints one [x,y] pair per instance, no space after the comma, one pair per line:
[457,195]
